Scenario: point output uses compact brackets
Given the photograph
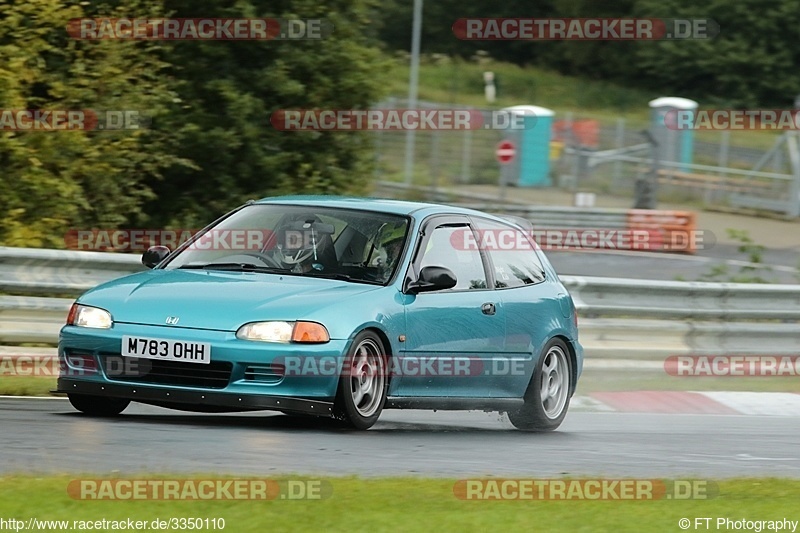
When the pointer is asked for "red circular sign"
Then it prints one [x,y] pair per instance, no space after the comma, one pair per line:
[505,152]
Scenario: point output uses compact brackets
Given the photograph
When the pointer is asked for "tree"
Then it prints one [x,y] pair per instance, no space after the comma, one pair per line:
[753,62]
[229,89]
[56,180]
[210,146]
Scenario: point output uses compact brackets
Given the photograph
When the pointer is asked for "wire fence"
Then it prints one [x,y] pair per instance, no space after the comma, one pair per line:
[608,158]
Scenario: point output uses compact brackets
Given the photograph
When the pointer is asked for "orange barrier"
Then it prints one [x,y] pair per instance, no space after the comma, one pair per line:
[585,132]
[673,231]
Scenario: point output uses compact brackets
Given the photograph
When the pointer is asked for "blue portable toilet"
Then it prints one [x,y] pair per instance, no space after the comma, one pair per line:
[675,145]
[532,165]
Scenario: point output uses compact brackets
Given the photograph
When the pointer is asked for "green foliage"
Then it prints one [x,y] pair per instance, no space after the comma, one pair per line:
[752,62]
[229,89]
[56,180]
[748,273]
[211,145]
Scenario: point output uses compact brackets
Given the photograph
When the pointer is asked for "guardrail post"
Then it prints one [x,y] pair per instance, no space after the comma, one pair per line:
[793,207]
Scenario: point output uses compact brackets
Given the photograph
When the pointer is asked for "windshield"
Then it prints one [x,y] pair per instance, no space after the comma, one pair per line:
[350,245]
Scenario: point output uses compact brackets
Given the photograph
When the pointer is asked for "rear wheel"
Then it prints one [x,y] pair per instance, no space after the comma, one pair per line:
[363,383]
[547,397]
[98,405]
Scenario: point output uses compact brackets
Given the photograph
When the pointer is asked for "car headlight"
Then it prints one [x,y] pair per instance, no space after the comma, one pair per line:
[89,317]
[279,331]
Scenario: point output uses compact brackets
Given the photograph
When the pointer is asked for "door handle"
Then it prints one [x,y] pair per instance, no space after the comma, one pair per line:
[488,308]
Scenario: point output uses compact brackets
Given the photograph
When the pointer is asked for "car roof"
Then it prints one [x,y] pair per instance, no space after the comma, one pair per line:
[397,207]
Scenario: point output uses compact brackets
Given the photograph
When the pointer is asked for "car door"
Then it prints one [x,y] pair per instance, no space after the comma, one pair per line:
[449,334]
[531,305]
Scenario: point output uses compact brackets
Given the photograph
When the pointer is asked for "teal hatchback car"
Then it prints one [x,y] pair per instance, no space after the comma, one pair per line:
[334,307]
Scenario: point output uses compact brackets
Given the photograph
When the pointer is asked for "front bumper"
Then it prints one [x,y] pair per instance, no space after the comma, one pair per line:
[241,390]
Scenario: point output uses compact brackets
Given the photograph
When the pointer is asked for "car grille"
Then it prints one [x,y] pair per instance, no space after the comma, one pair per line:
[215,375]
[264,373]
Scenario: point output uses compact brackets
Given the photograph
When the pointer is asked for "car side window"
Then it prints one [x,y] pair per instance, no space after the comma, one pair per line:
[466,264]
[512,253]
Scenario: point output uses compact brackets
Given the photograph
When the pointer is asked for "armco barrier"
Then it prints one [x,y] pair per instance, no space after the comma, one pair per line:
[68,273]
[675,228]
[619,318]
[668,231]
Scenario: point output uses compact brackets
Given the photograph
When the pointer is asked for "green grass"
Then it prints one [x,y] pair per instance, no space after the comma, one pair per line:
[26,386]
[591,381]
[439,155]
[461,82]
[406,504]
[456,81]
[628,380]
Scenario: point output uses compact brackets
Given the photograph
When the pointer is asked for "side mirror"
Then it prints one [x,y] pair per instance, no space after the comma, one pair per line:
[154,255]
[433,278]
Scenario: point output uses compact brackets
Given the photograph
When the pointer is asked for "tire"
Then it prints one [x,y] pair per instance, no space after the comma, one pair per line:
[363,383]
[548,394]
[98,405]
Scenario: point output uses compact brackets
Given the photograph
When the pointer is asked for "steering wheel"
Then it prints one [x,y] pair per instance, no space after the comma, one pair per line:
[293,258]
[265,258]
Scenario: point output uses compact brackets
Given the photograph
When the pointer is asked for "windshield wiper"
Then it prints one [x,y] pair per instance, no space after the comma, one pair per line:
[339,276]
[238,267]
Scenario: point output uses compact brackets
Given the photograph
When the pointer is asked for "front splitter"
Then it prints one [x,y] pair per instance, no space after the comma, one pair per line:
[194,399]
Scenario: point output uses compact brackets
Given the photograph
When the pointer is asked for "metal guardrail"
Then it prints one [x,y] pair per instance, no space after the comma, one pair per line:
[619,318]
[679,300]
[666,231]
[27,319]
[635,319]
[62,272]
[560,217]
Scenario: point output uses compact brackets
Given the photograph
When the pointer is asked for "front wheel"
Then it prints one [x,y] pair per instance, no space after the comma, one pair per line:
[363,383]
[98,405]
[547,397]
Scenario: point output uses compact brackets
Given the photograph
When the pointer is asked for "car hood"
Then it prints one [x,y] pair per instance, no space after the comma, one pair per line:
[217,300]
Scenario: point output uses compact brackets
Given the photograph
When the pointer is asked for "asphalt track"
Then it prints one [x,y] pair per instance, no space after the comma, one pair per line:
[48,436]
[777,266]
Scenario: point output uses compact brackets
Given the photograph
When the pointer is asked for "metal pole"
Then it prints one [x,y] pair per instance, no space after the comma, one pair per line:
[724,147]
[413,85]
[435,165]
[466,152]
[793,208]
[620,142]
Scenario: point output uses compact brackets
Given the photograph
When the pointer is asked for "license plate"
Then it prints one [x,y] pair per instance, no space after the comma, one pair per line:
[166,349]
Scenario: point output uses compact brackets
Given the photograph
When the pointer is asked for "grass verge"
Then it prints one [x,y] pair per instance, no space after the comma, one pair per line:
[456,81]
[407,504]
[26,386]
[591,381]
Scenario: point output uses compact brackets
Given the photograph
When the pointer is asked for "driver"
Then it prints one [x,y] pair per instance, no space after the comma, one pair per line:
[302,247]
